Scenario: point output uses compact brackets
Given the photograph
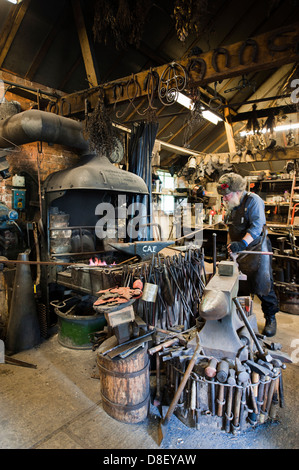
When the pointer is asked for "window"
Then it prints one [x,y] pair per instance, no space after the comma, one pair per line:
[167,179]
[167,200]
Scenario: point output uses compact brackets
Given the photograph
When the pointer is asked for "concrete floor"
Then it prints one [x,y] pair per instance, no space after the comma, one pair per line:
[58,406]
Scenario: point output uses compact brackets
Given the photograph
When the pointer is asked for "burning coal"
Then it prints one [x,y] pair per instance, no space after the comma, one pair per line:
[97,262]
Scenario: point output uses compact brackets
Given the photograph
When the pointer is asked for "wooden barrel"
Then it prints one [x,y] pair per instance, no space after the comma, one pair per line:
[125,389]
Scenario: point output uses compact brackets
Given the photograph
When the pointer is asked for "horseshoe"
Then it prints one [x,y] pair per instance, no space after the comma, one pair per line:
[193,65]
[118,91]
[254,45]
[55,106]
[271,41]
[62,106]
[220,50]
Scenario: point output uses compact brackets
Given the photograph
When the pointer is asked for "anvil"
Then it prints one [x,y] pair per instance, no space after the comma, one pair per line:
[144,250]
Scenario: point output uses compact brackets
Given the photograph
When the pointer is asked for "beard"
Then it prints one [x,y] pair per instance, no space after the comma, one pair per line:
[233,202]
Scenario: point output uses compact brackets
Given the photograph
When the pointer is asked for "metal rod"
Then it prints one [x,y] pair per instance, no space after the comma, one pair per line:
[17,362]
[214,253]
[240,103]
[24,87]
[53,263]
[180,389]
[256,252]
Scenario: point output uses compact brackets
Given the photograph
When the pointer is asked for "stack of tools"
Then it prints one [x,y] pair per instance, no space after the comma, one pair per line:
[235,377]
[228,394]
[164,292]
[225,394]
[173,287]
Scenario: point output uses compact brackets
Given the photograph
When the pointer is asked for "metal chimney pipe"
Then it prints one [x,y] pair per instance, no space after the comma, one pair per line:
[34,125]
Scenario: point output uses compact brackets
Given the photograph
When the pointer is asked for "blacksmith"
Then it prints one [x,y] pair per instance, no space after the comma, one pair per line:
[247,228]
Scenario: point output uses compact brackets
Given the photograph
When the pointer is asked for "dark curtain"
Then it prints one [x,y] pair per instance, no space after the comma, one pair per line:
[141,145]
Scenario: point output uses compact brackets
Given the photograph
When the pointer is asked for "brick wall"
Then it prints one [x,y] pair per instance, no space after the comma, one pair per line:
[25,160]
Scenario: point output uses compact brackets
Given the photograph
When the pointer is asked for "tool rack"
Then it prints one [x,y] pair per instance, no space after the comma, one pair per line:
[232,407]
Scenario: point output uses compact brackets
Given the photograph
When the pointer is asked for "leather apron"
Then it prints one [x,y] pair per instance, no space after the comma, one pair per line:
[238,222]
[256,267]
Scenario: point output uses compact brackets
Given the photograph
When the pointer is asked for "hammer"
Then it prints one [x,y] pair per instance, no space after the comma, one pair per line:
[263,372]
[164,422]
[261,354]
[222,374]
[228,414]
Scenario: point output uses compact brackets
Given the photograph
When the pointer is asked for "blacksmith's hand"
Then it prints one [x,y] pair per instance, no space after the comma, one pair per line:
[235,247]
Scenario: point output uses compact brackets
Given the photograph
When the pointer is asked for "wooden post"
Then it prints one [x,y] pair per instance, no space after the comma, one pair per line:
[84,43]
[229,132]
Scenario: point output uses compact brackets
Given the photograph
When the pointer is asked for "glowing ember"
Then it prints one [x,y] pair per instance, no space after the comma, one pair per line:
[98,262]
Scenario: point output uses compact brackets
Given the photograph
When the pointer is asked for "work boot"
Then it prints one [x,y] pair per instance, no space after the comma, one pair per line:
[270,327]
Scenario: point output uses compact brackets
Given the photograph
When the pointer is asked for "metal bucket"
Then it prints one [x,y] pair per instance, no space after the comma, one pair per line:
[288,300]
[74,331]
[150,292]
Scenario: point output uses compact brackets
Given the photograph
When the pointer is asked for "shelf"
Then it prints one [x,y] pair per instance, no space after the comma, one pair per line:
[290,184]
[286,204]
[273,181]
[161,194]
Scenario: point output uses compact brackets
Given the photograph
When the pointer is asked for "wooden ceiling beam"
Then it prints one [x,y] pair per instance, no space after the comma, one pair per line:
[274,49]
[85,45]
[264,90]
[11,27]
[16,82]
[168,160]
[262,113]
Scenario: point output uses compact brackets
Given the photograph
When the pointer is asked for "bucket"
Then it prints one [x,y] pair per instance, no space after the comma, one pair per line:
[74,330]
[288,300]
[150,292]
[125,389]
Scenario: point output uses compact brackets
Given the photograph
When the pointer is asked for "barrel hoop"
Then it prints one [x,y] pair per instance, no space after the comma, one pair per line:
[123,375]
[126,407]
